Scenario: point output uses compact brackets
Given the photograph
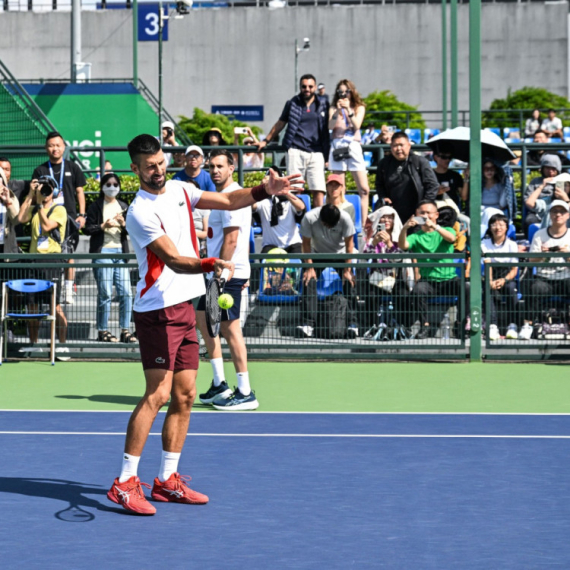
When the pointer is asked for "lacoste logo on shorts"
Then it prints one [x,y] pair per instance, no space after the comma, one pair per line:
[181,203]
[160,360]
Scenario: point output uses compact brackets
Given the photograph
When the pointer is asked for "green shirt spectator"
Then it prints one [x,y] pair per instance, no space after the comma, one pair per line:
[433,242]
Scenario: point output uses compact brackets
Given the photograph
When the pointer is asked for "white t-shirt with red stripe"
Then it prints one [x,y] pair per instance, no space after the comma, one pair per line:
[150,216]
[220,219]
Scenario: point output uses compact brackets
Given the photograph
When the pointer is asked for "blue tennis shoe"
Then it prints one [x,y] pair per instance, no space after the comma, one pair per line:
[236,402]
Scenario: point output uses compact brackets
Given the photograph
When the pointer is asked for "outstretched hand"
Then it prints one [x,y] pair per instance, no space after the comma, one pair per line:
[277,185]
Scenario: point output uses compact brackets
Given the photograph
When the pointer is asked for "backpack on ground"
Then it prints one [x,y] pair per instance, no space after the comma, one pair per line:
[334,316]
[554,325]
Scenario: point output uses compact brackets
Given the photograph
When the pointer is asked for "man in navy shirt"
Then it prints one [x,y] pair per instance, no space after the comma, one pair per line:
[194,158]
[307,137]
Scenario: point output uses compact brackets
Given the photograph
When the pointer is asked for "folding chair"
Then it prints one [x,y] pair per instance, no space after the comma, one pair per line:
[26,286]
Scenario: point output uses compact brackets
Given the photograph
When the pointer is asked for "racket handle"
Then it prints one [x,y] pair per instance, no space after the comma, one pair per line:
[225,274]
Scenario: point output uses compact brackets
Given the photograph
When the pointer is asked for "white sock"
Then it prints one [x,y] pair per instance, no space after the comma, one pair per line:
[168,465]
[69,284]
[218,369]
[243,383]
[130,467]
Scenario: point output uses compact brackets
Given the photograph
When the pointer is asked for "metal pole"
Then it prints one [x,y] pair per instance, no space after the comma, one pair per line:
[136,44]
[296,63]
[75,38]
[475,174]
[453,41]
[160,28]
[444,63]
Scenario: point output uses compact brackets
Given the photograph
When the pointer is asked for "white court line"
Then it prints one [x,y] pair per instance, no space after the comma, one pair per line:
[257,412]
[305,435]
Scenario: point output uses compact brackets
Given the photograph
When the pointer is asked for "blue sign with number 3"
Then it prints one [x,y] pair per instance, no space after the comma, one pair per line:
[148,23]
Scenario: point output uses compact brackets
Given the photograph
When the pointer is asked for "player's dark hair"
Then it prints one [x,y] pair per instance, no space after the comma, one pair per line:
[143,144]
[307,76]
[53,135]
[329,215]
[400,135]
[4,159]
[223,152]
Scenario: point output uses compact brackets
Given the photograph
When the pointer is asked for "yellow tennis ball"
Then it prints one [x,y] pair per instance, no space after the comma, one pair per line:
[226,301]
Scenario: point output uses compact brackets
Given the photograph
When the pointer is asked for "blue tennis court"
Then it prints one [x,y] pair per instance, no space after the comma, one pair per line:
[293,490]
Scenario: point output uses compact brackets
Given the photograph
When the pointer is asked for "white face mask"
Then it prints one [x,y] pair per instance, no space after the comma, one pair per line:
[110,190]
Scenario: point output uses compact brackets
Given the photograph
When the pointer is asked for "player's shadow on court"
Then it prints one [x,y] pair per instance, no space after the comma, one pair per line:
[131,401]
[70,492]
[105,398]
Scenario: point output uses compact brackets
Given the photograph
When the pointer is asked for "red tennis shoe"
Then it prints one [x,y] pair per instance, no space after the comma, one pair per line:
[130,496]
[175,490]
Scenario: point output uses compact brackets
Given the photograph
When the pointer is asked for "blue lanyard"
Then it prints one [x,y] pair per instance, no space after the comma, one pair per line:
[60,174]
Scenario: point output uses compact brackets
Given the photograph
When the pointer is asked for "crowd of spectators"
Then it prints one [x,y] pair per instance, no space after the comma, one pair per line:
[420,206]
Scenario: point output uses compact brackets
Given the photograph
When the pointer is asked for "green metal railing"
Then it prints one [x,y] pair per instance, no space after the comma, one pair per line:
[22,122]
[270,319]
[275,306]
[529,304]
[515,118]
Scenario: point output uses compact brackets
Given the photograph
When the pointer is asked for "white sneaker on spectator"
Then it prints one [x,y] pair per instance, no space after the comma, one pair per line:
[352,331]
[525,332]
[512,332]
[30,349]
[61,354]
[494,333]
[306,330]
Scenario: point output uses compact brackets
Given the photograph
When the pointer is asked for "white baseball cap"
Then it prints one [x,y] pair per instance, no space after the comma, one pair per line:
[560,203]
[195,149]
[167,125]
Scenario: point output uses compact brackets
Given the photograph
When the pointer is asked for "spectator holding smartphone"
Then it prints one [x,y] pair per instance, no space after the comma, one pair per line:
[346,115]
[106,226]
[554,279]
[435,280]
[250,159]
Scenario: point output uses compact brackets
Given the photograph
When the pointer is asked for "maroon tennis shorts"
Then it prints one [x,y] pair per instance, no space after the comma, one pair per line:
[167,337]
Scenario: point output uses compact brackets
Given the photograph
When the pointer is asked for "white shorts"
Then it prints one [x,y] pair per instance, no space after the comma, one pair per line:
[311,165]
[353,164]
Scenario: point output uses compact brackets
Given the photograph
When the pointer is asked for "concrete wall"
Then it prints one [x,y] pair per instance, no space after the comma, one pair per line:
[246,55]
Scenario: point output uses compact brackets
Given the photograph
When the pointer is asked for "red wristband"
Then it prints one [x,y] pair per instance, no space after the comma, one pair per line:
[207,264]
[258,193]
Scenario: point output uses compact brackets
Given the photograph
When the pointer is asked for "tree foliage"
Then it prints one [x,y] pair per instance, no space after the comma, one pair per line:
[382,109]
[201,122]
[528,98]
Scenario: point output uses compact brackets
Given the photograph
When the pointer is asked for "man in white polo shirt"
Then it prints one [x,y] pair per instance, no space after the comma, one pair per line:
[159,222]
[228,238]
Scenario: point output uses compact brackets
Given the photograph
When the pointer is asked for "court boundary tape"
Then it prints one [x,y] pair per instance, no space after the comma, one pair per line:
[305,435]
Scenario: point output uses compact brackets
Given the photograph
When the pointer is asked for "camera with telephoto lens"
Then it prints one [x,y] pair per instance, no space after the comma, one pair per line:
[47,185]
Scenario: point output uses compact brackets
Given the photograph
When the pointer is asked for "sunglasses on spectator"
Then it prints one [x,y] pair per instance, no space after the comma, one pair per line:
[340,92]
[444,156]
[194,155]
[489,169]
[111,184]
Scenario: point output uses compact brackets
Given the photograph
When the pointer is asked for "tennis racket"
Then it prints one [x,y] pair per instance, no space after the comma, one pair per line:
[214,289]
